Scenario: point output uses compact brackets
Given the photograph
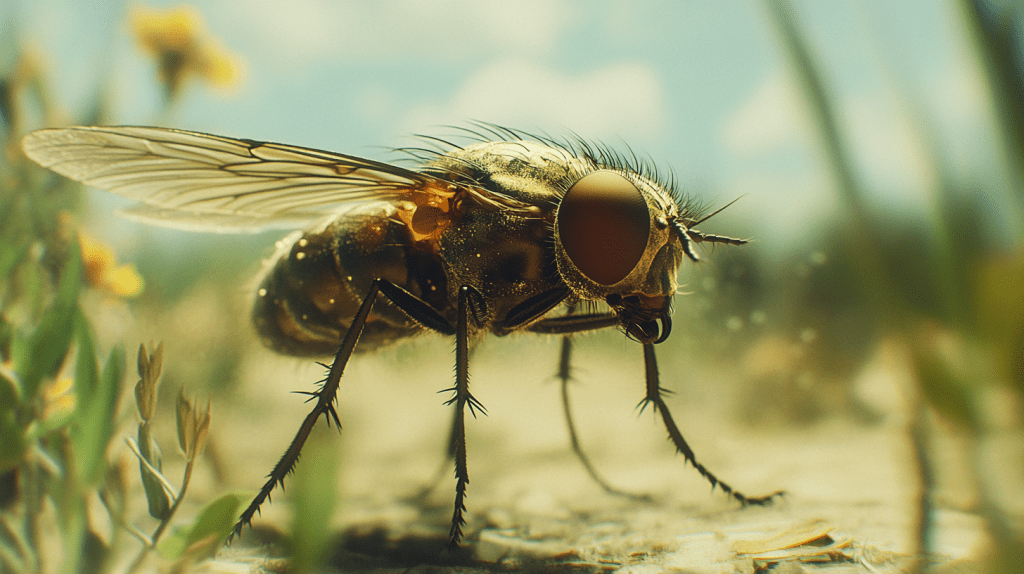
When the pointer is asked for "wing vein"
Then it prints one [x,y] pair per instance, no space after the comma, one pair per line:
[177,175]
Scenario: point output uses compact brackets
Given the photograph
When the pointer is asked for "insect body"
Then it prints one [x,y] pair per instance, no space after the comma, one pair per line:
[491,236]
[503,244]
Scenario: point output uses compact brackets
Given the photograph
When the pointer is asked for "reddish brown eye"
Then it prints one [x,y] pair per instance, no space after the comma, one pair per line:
[603,223]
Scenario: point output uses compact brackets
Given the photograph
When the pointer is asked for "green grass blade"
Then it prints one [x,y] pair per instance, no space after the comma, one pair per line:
[42,353]
[96,415]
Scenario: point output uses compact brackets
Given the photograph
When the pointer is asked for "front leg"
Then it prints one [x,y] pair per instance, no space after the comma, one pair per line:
[653,397]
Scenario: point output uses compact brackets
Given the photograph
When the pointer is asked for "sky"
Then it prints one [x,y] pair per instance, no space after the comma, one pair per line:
[702,88]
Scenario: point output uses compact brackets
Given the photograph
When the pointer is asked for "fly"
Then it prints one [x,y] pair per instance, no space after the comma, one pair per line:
[489,237]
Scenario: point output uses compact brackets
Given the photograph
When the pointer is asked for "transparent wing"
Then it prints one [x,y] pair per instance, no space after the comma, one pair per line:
[199,181]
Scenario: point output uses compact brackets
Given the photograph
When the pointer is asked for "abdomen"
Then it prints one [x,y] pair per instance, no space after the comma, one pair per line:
[315,285]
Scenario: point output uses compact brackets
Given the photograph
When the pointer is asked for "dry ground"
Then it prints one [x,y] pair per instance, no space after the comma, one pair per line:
[533,507]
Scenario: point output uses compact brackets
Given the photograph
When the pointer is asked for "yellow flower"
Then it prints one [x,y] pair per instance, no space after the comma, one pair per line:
[58,398]
[178,39]
[103,272]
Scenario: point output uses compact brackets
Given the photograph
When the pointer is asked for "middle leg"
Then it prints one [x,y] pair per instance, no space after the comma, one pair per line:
[565,376]
[566,325]
[461,399]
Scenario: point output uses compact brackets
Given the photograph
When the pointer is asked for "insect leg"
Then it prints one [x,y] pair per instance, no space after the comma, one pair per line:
[325,398]
[654,392]
[535,307]
[566,324]
[565,376]
[460,400]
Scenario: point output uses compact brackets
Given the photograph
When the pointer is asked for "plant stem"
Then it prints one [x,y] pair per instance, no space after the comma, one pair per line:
[166,521]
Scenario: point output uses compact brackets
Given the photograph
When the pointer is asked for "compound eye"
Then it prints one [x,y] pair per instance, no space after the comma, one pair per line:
[603,223]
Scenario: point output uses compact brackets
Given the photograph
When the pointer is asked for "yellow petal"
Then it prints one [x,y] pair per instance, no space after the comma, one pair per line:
[124,281]
[160,30]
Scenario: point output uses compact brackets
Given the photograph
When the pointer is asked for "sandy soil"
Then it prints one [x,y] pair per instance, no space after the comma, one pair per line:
[531,504]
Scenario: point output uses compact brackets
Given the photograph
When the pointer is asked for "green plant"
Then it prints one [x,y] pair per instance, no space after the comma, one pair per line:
[955,302]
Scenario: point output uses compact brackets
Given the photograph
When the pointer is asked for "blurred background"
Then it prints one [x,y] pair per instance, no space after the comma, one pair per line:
[868,345]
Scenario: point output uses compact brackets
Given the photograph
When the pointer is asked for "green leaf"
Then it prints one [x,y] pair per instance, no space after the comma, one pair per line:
[12,434]
[71,276]
[12,440]
[315,495]
[42,353]
[87,372]
[12,251]
[217,519]
[97,412]
[207,533]
[6,337]
[173,547]
[157,497]
[9,398]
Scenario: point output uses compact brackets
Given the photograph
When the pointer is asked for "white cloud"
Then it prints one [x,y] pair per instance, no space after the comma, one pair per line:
[779,207]
[885,144]
[771,117]
[624,100]
[310,32]
[888,147]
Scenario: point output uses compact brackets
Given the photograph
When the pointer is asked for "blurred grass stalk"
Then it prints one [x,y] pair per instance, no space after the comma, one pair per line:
[970,336]
[997,44]
[315,500]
